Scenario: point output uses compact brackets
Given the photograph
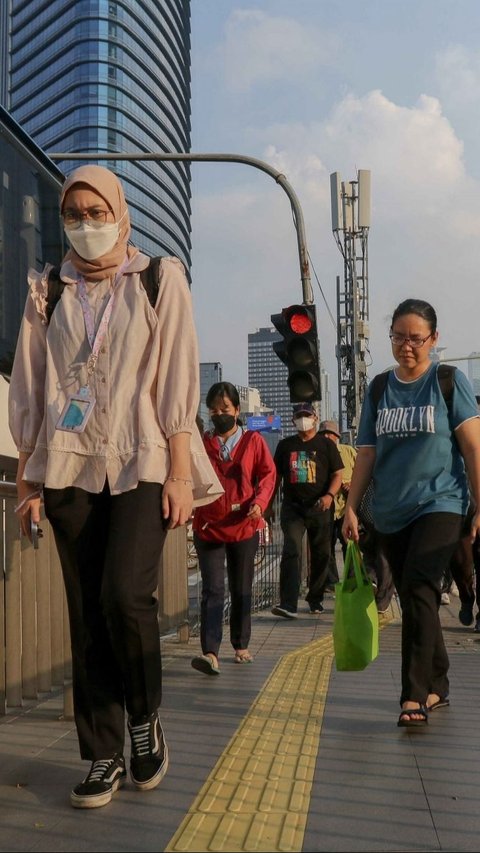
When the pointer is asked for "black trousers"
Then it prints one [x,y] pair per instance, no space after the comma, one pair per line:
[239,557]
[418,556]
[109,548]
[295,520]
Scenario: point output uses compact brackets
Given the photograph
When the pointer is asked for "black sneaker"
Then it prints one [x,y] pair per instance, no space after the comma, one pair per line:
[149,760]
[476,627]
[465,614]
[282,611]
[98,788]
[317,608]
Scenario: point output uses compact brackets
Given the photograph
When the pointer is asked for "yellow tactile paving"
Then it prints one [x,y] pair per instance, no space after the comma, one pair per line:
[257,796]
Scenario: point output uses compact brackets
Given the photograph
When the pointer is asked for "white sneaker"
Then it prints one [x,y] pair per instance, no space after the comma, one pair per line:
[454,589]
[445,598]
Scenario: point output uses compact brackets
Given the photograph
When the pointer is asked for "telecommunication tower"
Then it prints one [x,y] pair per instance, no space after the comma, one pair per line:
[350,226]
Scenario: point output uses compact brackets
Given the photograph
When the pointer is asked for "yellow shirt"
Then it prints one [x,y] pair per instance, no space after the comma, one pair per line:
[348,455]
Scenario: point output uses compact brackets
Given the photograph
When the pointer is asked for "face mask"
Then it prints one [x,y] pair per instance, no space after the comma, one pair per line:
[223,423]
[304,424]
[92,242]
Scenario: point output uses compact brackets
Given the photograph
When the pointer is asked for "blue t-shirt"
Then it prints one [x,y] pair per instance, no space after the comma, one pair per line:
[418,467]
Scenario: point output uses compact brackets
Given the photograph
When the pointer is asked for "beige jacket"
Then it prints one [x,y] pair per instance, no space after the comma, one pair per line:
[146,384]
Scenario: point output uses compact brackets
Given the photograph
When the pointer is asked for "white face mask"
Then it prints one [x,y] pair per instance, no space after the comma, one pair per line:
[91,242]
[304,424]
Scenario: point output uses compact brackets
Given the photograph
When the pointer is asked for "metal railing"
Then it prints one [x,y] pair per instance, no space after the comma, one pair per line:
[35,655]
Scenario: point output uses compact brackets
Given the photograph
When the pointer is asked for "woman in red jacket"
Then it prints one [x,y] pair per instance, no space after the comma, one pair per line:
[228,528]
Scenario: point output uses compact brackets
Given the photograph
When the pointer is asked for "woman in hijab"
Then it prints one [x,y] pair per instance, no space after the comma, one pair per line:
[103,399]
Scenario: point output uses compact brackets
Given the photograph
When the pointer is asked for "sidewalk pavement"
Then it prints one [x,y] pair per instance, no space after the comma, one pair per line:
[281,754]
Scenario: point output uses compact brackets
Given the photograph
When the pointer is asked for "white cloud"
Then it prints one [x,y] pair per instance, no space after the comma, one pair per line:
[458,74]
[263,49]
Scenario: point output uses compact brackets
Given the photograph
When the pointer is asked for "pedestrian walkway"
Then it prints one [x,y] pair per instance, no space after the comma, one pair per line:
[281,754]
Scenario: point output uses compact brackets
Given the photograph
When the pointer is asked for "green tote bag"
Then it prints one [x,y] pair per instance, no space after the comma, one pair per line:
[355,626]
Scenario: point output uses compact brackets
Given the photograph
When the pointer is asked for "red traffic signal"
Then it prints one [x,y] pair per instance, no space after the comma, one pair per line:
[299,351]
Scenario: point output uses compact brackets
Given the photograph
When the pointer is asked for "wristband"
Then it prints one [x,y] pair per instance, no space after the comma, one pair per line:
[179,480]
[332,496]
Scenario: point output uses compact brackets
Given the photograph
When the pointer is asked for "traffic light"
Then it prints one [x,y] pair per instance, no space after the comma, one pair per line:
[299,351]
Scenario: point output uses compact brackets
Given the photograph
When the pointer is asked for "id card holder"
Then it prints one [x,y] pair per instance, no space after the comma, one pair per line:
[76,411]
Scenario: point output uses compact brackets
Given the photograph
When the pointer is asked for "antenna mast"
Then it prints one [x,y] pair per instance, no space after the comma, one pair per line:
[350,226]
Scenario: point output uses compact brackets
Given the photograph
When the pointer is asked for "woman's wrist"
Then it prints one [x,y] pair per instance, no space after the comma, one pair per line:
[185,480]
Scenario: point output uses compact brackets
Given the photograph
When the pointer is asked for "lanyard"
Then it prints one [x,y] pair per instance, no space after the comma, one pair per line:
[96,340]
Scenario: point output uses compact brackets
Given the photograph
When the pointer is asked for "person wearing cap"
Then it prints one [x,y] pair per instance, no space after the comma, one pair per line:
[348,455]
[309,468]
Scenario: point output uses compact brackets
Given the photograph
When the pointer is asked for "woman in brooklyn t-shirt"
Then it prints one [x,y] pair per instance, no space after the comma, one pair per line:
[416,447]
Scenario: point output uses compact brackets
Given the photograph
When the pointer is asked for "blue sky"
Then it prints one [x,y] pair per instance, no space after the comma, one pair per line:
[314,87]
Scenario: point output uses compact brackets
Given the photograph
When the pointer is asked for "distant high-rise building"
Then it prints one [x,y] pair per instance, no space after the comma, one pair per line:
[210,373]
[267,373]
[474,371]
[109,77]
[326,403]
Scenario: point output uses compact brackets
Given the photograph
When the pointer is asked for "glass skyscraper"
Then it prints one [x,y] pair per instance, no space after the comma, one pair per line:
[267,373]
[109,76]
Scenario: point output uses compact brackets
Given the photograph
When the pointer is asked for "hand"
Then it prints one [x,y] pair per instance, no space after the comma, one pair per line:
[350,525]
[345,488]
[28,507]
[177,502]
[475,528]
[324,502]
[255,511]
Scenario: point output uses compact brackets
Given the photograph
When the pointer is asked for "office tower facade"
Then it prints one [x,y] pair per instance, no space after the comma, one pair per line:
[210,373]
[267,373]
[474,371]
[109,76]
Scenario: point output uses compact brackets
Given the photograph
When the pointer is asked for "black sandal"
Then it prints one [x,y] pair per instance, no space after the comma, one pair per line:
[411,719]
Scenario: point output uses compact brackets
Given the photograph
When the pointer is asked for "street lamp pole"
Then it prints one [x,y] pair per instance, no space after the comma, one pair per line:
[278,177]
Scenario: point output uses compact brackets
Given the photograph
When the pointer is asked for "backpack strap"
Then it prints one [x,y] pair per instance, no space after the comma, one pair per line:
[55,289]
[148,277]
[377,387]
[446,380]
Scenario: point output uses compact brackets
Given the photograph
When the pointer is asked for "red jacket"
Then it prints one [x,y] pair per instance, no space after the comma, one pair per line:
[248,478]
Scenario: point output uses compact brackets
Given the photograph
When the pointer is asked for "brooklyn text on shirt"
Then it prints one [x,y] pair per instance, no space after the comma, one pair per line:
[405,420]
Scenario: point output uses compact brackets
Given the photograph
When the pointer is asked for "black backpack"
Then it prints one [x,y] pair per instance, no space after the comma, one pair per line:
[446,380]
[148,277]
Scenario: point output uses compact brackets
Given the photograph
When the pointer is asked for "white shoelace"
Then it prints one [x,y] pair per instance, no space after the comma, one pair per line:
[99,768]
[141,739]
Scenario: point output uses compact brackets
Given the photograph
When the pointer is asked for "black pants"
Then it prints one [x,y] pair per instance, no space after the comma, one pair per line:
[418,556]
[295,520]
[109,548]
[240,570]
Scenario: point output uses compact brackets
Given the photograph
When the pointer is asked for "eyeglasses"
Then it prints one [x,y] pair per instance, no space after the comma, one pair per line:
[415,342]
[94,216]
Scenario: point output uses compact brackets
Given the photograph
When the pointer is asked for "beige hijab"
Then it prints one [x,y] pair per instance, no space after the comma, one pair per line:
[108,186]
